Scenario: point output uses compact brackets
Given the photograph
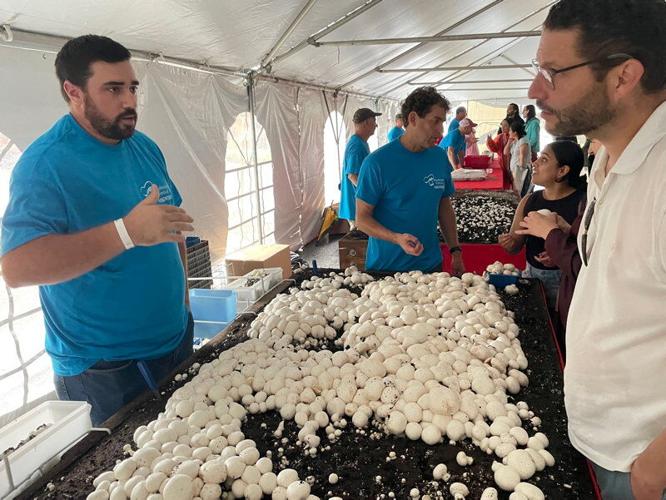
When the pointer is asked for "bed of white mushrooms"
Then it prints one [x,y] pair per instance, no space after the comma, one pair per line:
[481,218]
[431,357]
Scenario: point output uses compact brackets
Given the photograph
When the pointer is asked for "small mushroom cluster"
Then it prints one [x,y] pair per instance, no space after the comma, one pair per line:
[498,268]
[481,218]
[431,357]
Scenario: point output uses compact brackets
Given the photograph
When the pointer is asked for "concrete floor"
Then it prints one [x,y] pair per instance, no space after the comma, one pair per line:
[325,253]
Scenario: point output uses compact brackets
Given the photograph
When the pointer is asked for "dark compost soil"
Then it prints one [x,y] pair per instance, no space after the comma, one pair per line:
[358,457]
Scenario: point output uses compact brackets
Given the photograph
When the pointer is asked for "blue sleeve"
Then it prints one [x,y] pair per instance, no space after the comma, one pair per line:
[446,141]
[370,186]
[36,205]
[354,159]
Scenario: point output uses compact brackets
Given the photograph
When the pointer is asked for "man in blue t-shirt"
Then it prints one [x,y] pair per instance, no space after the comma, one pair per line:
[404,190]
[454,144]
[93,219]
[365,123]
[398,130]
[461,113]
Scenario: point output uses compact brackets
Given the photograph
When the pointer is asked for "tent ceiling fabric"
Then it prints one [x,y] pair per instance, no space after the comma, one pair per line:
[239,34]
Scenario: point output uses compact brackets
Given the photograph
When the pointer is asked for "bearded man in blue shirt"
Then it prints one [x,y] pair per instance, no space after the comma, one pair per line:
[93,219]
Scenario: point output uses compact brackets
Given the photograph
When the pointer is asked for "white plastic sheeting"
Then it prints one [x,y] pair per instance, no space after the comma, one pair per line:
[239,33]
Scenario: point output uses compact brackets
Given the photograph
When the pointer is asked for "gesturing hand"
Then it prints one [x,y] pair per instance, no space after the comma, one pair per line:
[150,224]
[410,244]
[507,241]
[539,225]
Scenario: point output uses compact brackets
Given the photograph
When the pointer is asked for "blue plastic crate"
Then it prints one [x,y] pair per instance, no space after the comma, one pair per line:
[502,280]
[191,240]
[208,329]
[213,305]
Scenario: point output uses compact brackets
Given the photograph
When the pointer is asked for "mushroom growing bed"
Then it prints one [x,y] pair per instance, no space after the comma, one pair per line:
[356,442]
[482,216]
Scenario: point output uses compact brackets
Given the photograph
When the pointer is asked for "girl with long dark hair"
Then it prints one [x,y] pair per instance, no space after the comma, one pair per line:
[558,170]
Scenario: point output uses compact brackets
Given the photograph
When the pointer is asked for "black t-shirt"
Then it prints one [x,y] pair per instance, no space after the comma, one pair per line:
[566,207]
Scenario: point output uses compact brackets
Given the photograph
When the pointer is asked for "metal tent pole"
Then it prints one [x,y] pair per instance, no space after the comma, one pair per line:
[297,20]
[325,31]
[250,93]
[429,39]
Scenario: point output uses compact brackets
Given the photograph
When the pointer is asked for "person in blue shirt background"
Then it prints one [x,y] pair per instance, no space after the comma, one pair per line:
[461,114]
[93,219]
[454,144]
[365,124]
[398,130]
[404,189]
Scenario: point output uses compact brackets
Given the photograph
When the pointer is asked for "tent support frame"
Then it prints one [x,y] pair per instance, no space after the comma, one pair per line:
[250,83]
[429,39]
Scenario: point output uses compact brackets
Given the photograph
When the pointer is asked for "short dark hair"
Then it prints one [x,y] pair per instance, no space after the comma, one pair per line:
[531,112]
[421,100]
[518,126]
[570,154]
[398,116]
[75,57]
[633,27]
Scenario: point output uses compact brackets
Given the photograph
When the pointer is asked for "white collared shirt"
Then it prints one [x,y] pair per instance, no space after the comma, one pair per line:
[615,376]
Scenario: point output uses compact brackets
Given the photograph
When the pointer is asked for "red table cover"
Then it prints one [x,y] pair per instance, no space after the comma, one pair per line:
[478,256]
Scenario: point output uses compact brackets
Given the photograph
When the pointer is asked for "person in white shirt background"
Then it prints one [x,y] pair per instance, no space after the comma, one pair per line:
[601,71]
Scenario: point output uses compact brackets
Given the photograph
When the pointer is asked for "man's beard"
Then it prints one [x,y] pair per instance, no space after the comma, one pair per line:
[111,129]
[591,112]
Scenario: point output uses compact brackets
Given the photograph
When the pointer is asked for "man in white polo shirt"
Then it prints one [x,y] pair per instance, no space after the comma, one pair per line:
[601,71]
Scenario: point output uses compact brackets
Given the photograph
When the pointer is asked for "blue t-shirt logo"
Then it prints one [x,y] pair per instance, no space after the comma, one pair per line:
[436,182]
[145,189]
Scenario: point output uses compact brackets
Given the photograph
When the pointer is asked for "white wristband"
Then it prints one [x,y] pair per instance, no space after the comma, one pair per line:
[124,235]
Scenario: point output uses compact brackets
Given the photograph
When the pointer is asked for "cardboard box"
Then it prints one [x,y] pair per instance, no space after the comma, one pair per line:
[258,257]
[352,252]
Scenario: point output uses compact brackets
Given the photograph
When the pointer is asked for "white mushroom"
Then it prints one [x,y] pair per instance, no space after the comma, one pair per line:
[489,494]
[531,491]
[178,487]
[459,491]
[506,477]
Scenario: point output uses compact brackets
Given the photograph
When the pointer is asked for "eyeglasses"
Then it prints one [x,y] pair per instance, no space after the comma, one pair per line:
[548,74]
[586,226]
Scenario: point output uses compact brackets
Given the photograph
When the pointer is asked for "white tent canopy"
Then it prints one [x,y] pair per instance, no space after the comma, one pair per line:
[237,93]
[239,34]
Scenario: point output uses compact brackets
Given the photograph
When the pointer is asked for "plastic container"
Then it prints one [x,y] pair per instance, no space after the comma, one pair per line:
[212,310]
[208,329]
[213,305]
[476,161]
[68,422]
[275,275]
[192,240]
[502,280]
[252,293]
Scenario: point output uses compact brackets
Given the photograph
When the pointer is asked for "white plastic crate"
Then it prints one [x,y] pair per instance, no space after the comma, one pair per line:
[252,293]
[275,274]
[69,422]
